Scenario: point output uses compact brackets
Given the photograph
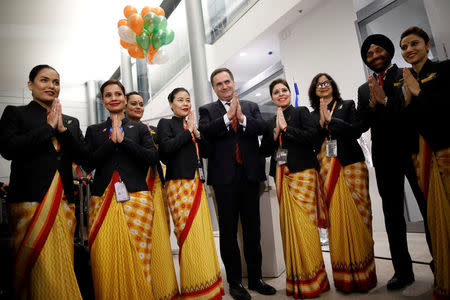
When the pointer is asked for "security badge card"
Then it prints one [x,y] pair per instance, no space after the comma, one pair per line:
[281,156]
[331,148]
[121,192]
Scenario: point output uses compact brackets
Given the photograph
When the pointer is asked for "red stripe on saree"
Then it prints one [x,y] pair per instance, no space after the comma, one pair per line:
[101,216]
[38,230]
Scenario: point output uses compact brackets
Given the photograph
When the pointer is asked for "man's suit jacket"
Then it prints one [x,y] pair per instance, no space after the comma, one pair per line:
[391,136]
[298,139]
[131,158]
[27,141]
[344,128]
[222,141]
[177,150]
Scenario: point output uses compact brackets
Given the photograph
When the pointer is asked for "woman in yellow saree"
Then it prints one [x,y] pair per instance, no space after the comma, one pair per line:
[164,280]
[427,100]
[42,144]
[289,140]
[346,185]
[181,148]
[121,210]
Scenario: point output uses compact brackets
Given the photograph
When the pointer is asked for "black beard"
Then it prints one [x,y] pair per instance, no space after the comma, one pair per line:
[386,63]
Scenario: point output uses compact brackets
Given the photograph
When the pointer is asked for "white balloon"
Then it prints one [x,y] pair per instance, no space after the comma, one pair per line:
[161,57]
[126,34]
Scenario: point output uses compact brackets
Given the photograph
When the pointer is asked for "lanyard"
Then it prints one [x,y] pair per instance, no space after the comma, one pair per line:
[195,143]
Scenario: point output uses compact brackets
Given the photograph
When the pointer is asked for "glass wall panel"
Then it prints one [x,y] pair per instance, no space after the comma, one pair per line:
[219,15]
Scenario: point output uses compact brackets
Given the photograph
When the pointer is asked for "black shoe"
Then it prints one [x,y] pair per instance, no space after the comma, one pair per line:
[261,287]
[399,282]
[238,292]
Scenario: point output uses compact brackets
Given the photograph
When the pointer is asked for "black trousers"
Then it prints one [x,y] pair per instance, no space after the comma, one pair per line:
[390,172]
[239,199]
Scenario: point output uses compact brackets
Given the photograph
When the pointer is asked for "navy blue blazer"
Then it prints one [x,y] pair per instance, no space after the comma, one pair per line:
[27,141]
[221,142]
[177,149]
[131,158]
[344,128]
[298,139]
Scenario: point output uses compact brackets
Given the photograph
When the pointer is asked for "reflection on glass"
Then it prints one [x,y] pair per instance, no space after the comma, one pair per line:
[219,14]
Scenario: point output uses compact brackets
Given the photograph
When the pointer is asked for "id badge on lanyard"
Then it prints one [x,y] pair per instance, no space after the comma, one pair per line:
[121,192]
[281,156]
[201,173]
[331,148]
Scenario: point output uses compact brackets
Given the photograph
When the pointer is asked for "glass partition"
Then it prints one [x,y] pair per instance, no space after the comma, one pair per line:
[219,15]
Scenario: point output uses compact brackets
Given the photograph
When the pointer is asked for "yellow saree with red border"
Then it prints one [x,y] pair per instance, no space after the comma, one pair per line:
[350,232]
[199,267]
[164,280]
[120,242]
[43,243]
[299,198]
[433,174]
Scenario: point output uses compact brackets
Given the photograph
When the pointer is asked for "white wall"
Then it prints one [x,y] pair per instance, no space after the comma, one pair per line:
[321,42]
[438,11]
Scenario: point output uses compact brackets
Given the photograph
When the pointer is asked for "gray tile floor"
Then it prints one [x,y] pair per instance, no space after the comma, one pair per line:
[422,288]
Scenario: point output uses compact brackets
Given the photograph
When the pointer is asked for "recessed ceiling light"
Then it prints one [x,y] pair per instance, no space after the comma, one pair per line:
[258,94]
[243,53]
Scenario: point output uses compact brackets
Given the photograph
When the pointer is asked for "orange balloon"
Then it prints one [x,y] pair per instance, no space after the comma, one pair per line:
[128,10]
[136,51]
[125,44]
[136,23]
[122,22]
[158,11]
[145,10]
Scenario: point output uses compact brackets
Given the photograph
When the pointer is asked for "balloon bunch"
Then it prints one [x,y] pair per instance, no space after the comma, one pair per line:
[144,34]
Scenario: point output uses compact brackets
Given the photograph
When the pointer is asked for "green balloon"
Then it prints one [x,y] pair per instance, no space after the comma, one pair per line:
[162,34]
[143,40]
[156,41]
[162,24]
[170,35]
[149,18]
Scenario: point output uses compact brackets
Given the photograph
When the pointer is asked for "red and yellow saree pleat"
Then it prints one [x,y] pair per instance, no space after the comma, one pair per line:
[350,231]
[433,173]
[120,240]
[297,195]
[190,214]
[164,280]
[43,243]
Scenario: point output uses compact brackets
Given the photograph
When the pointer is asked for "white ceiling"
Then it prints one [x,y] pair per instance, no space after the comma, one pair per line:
[77,37]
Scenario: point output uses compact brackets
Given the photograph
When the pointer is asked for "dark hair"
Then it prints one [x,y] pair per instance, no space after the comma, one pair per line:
[220,70]
[176,91]
[417,31]
[131,94]
[112,82]
[37,69]
[277,81]
[313,98]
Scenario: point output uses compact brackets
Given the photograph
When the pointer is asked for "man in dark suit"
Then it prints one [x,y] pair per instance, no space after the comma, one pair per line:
[235,169]
[380,105]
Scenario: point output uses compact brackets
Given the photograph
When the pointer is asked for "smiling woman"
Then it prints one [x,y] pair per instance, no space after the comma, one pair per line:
[42,144]
[121,208]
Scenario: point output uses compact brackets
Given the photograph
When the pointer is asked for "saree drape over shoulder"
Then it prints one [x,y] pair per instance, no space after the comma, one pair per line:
[299,199]
[199,268]
[350,231]
[433,173]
